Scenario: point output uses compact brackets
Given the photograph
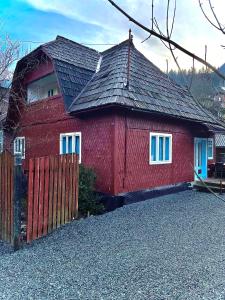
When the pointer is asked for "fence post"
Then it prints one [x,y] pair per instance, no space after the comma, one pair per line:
[17,181]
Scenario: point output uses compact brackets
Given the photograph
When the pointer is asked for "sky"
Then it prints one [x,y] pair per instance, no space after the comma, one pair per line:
[95,22]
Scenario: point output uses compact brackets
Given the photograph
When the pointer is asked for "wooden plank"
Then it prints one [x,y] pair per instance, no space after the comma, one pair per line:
[77,185]
[63,189]
[30,201]
[36,197]
[55,190]
[67,188]
[11,198]
[41,197]
[74,186]
[8,199]
[51,192]
[46,196]
[3,202]
[70,187]
[59,204]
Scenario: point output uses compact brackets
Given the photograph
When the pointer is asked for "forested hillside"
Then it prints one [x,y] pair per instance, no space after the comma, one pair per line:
[203,85]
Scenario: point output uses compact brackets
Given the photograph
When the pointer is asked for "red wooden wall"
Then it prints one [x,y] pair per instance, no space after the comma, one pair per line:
[103,143]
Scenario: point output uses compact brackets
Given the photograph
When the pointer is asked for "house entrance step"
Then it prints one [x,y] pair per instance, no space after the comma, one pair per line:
[214,184]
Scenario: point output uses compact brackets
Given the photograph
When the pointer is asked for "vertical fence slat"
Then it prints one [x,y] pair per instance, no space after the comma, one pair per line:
[76,179]
[30,203]
[4,192]
[66,189]
[41,197]
[55,196]
[63,191]
[59,204]
[70,187]
[51,192]
[36,197]
[11,197]
[8,199]
[46,196]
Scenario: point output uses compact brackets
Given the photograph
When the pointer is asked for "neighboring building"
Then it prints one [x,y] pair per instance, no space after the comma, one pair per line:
[127,120]
[219,96]
[220,147]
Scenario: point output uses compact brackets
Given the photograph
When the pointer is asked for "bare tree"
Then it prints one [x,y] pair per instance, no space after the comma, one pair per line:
[167,38]
[9,54]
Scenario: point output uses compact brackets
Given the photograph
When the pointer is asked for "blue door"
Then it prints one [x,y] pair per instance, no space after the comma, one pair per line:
[200,152]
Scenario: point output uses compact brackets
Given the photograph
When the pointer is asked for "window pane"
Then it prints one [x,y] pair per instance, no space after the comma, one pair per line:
[167,150]
[22,147]
[210,148]
[64,145]
[77,144]
[70,144]
[161,148]
[153,148]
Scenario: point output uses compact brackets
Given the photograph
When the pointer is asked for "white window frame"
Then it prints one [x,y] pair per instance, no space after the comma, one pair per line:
[73,134]
[22,138]
[158,135]
[1,137]
[211,140]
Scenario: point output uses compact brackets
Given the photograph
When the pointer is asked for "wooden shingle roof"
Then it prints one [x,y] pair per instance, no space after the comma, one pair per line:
[148,89]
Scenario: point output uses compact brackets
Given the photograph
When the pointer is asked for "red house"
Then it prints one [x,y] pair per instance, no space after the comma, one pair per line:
[127,120]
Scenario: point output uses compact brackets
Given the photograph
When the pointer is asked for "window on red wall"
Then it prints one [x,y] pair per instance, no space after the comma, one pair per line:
[70,143]
[160,148]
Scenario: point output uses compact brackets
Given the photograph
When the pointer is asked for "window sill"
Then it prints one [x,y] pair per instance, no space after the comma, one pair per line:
[160,162]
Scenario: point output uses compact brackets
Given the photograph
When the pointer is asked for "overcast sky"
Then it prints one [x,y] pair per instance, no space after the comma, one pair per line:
[97,22]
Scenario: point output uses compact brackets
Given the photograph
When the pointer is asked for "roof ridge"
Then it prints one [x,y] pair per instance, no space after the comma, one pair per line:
[118,45]
[60,37]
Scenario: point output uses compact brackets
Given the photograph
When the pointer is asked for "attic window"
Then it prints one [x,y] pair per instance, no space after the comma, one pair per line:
[42,88]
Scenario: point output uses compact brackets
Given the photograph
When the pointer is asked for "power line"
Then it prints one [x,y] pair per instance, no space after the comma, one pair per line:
[88,44]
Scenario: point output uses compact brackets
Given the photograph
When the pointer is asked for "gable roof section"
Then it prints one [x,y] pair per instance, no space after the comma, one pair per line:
[149,88]
[70,52]
[74,66]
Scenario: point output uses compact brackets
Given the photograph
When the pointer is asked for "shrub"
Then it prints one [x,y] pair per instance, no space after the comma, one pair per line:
[88,200]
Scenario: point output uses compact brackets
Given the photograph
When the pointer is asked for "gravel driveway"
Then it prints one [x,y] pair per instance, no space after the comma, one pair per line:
[172,247]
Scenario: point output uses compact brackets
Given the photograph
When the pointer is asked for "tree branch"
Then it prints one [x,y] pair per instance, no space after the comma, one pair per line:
[166,39]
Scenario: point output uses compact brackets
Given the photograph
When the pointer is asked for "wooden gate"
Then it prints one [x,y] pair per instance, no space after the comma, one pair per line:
[52,193]
[6,196]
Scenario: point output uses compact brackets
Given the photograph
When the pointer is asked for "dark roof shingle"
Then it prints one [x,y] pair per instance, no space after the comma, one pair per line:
[71,52]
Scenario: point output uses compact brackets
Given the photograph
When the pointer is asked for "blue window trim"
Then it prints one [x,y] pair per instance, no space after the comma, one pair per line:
[64,143]
[165,141]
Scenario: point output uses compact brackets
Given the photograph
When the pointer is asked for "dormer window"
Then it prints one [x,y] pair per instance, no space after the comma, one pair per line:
[42,88]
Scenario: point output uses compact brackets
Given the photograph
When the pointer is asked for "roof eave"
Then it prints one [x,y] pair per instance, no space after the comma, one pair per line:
[113,105]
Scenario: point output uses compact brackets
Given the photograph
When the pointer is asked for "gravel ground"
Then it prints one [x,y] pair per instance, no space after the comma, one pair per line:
[172,247]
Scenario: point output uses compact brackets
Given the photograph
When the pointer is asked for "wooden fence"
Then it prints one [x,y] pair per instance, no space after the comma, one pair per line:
[52,193]
[6,196]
